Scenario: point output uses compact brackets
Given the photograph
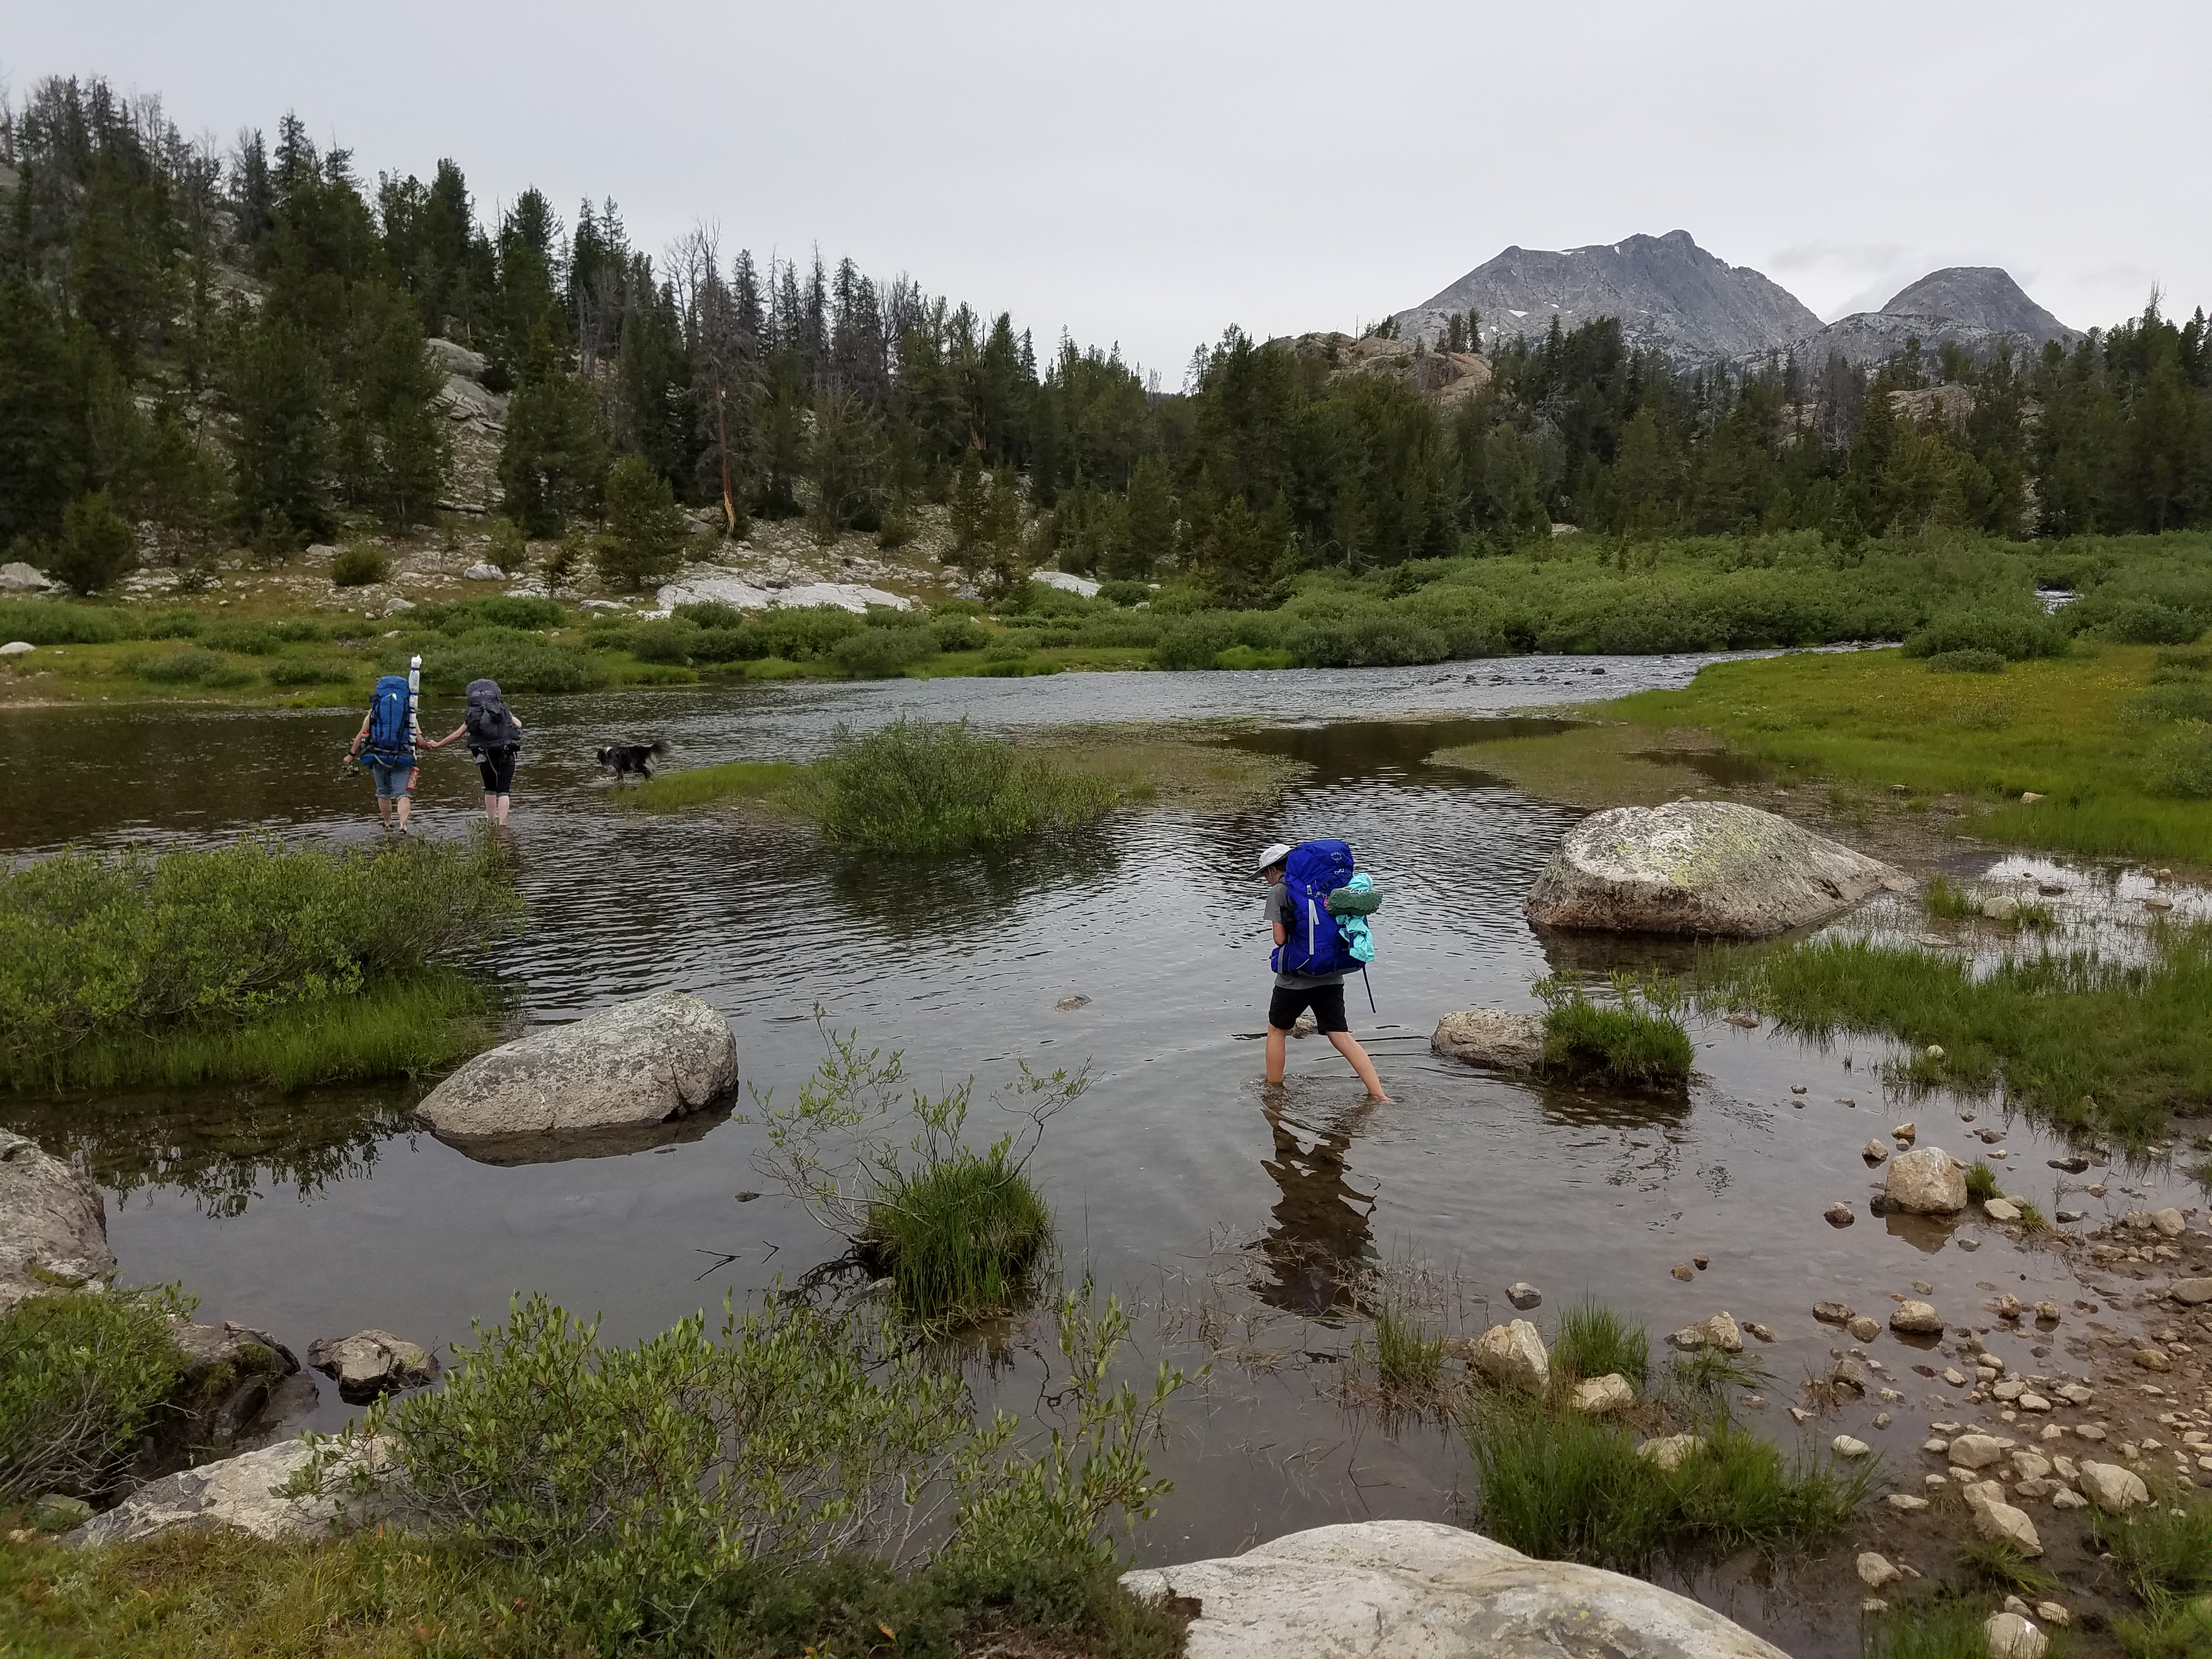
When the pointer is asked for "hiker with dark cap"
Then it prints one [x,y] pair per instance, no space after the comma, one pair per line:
[494,735]
[1311,957]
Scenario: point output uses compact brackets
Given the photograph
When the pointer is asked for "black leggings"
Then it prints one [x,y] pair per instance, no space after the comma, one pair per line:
[497,766]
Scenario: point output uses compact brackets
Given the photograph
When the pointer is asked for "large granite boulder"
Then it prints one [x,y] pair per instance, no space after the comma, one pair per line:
[236,1380]
[54,1226]
[239,1494]
[640,1062]
[1378,1589]
[1703,867]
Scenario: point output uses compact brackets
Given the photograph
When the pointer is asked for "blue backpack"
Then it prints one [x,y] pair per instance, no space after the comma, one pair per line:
[390,731]
[1315,943]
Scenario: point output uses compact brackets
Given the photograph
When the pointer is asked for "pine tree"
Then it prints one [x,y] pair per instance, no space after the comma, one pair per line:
[550,460]
[97,544]
[277,394]
[1151,523]
[646,532]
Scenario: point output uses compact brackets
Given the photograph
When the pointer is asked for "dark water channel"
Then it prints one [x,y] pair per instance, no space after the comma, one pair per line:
[1233,1221]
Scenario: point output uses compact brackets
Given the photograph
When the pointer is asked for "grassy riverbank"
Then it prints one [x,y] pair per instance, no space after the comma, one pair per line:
[256,962]
[284,635]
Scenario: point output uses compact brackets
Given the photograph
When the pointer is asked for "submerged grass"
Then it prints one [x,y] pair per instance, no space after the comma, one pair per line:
[1940,1627]
[1946,900]
[709,786]
[1408,1360]
[2083,1042]
[1563,1487]
[962,1237]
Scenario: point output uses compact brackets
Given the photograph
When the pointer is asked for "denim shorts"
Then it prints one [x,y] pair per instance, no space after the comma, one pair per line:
[394,778]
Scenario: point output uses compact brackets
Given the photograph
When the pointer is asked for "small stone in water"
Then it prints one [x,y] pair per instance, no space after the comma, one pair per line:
[1843,1446]
[1864,1329]
[1759,1330]
[1796,1088]
[1702,1262]
[1681,1271]
[1839,1214]
[1874,1151]
[1524,1296]
[745,1198]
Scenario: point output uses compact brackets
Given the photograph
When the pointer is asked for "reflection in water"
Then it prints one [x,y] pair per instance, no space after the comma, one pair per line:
[1323,1236]
[222,1146]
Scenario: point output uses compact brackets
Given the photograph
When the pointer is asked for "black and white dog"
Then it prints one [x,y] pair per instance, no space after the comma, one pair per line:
[628,757]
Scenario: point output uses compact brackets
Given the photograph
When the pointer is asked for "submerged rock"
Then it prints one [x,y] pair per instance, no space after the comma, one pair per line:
[371,1363]
[1925,1181]
[53,1226]
[1704,867]
[1718,1332]
[635,1063]
[1498,1038]
[1382,1588]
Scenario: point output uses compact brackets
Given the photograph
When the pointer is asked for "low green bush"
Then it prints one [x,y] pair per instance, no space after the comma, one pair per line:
[2179,761]
[2015,634]
[305,670]
[2177,699]
[669,640]
[60,622]
[175,625]
[714,644]
[98,949]
[1630,1045]
[879,653]
[923,788]
[82,1378]
[2147,621]
[803,633]
[711,613]
[959,634]
[518,661]
[1966,662]
[360,567]
[193,665]
[1125,594]
[517,610]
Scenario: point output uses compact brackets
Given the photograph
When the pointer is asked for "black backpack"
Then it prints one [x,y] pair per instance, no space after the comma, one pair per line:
[490,725]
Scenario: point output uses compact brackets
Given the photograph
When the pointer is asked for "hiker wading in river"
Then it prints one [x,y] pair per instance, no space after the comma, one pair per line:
[495,738]
[1312,954]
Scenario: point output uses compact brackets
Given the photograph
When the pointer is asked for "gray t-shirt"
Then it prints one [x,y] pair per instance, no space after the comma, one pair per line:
[1278,904]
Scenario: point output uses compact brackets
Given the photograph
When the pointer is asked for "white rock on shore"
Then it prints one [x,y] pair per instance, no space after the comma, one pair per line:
[53,1226]
[1703,867]
[638,1062]
[1380,1589]
[736,591]
[236,1495]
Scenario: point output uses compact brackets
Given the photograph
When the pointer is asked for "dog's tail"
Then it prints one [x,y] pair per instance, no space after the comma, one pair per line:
[656,747]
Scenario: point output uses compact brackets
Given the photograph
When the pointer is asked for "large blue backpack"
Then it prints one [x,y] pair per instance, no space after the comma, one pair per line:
[1314,943]
[390,729]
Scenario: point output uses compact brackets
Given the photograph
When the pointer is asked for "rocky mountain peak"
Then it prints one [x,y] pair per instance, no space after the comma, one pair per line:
[1669,294]
[1981,296]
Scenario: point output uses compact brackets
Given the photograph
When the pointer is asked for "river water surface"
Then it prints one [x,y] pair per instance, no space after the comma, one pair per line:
[1174,1180]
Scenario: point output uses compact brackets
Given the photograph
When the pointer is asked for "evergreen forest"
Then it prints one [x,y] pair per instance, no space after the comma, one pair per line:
[206,348]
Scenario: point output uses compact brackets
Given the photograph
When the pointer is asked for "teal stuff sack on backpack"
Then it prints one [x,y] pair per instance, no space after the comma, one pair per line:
[391,733]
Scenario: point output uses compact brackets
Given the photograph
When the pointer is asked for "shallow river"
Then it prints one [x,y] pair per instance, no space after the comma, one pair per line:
[1172,1179]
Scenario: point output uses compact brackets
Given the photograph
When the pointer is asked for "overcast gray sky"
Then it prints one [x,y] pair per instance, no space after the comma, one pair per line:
[1149,173]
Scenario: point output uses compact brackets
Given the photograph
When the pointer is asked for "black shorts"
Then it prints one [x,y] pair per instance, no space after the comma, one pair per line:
[497,766]
[1327,1002]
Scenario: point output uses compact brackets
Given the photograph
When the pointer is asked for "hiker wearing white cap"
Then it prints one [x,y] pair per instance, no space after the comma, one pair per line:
[1323,993]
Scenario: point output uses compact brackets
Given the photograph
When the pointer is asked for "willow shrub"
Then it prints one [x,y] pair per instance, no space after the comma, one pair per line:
[925,787]
[97,949]
[82,1378]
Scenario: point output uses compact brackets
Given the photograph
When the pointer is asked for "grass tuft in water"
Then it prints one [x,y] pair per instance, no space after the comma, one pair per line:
[962,1237]
[1941,1628]
[1562,1486]
[1408,1361]
[1981,1182]
[1946,900]
[709,786]
[1594,1340]
[1998,1561]
[1631,1045]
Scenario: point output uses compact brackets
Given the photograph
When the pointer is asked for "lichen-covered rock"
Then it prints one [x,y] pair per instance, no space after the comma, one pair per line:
[1704,867]
[54,1226]
[1925,1181]
[239,1494]
[1495,1038]
[1382,1588]
[638,1062]
[232,1375]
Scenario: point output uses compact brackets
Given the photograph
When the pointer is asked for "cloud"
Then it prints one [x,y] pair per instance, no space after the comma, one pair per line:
[1839,256]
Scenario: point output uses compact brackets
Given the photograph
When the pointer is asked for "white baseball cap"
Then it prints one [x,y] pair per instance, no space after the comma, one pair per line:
[1273,856]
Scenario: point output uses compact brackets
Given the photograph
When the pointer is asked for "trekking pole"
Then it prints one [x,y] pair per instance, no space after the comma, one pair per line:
[1370,984]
